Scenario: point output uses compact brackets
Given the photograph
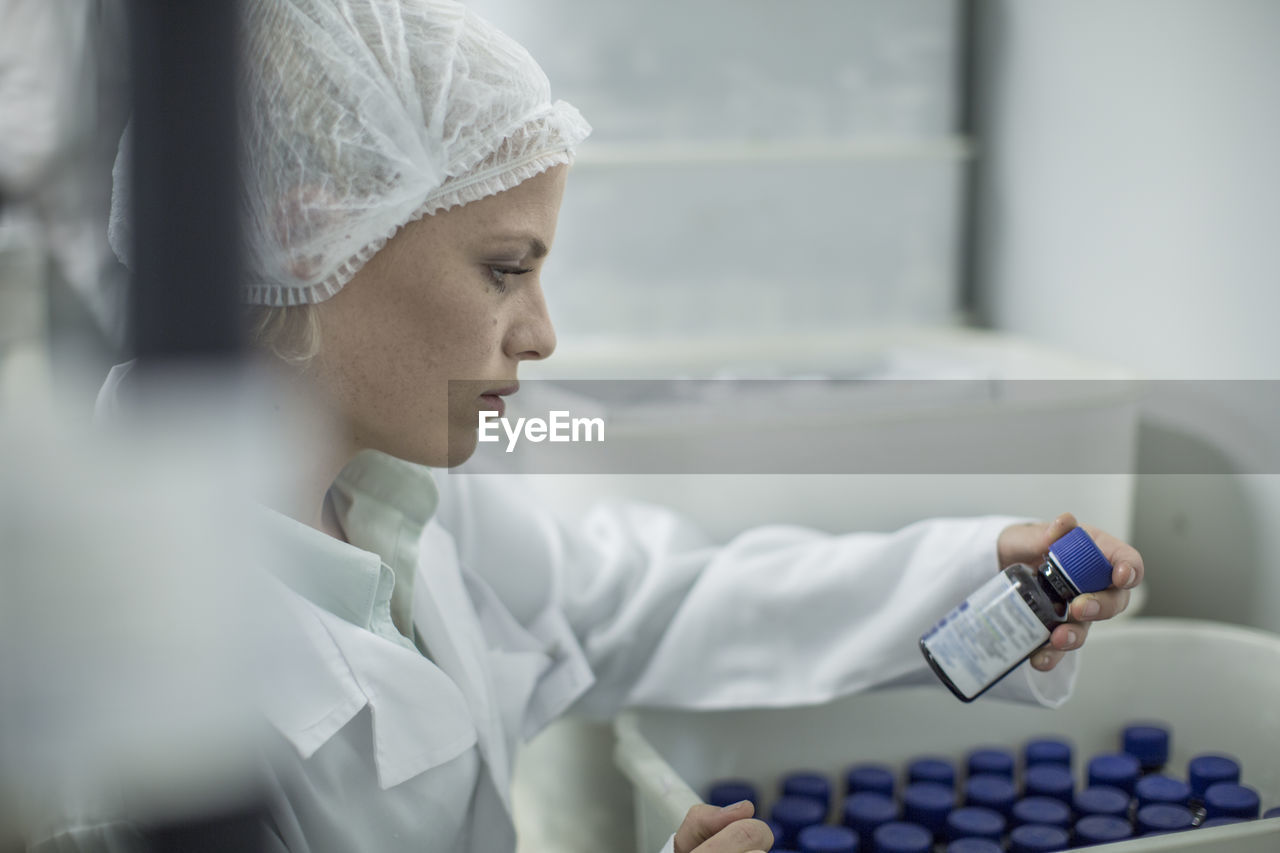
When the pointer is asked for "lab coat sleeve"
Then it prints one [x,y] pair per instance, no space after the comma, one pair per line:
[780,615]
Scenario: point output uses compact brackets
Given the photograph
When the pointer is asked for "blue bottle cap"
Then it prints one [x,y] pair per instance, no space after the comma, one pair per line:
[927,804]
[1081,561]
[1227,799]
[1099,829]
[828,839]
[1101,800]
[1119,770]
[1048,780]
[931,769]
[991,792]
[1221,821]
[876,778]
[900,837]
[997,762]
[809,784]
[975,822]
[1047,751]
[793,814]
[1146,742]
[1164,817]
[726,792]
[1209,769]
[866,810]
[1161,789]
[1038,838]
[1271,813]
[974,845]
[1042,810]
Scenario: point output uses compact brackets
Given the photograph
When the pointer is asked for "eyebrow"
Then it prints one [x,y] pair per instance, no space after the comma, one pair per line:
[537,248]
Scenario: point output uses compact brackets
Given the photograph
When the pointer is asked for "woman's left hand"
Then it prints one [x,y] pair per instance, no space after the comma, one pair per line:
[1029,543]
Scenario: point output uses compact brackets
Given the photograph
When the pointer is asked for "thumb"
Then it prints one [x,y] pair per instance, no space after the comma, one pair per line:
[703,821]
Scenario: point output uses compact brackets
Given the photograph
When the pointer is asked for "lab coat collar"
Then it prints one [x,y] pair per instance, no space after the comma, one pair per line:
[347,581]
[340,667]
[420,719]
[383,504]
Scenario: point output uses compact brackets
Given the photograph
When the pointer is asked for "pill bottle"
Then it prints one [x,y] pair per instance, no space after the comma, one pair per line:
[931,768]
[866,810]
[1046,750]
[1147,742]
[1042,810]
[975,822]
[1038,838]
[1010,616]
[990,792]
[1210,769]
[869,778]
[1101,829]
[793,814]
[1227,799]
[1119,770]
[726,792]
[1163,817]
[991,760]
[1048,780]
[828,839]
[973,845]
[1101,800]
[928,804]
[807,783]
[900,837]
[1158,788]
[1272,812]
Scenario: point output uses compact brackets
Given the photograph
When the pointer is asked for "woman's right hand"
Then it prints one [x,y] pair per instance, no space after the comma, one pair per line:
[707,829]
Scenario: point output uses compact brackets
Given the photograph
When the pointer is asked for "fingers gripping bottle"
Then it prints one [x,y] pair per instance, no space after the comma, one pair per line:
[1012,615]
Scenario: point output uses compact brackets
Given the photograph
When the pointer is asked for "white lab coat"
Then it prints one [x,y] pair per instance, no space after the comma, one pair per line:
[526,616]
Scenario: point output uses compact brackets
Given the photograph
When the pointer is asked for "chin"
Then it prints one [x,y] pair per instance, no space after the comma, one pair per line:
[459,451]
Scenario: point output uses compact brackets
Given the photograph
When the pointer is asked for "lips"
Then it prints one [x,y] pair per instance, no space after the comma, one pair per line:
[491,401]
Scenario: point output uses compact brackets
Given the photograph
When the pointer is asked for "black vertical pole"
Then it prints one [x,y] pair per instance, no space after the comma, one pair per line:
[186,259]
[186,252]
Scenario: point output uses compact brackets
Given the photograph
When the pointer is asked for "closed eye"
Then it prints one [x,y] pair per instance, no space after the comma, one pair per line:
[500,274]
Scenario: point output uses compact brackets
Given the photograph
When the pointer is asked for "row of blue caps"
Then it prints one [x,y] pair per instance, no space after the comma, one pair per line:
[991,774]
[990,796]
[905,837]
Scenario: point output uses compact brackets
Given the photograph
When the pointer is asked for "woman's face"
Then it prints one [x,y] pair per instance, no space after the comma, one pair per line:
[455,297]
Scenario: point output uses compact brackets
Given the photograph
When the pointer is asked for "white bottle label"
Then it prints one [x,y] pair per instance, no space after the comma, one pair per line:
[991,631]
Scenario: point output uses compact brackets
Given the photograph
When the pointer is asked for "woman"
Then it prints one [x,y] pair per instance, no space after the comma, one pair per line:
[406,171]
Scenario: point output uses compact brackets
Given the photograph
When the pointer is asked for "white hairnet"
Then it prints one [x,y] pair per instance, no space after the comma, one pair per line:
[359,116]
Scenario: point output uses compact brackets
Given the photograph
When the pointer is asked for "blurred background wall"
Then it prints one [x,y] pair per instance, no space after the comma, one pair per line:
[1129,206]
[757,166]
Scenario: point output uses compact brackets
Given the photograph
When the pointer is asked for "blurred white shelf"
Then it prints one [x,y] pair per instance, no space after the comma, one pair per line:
[931,149]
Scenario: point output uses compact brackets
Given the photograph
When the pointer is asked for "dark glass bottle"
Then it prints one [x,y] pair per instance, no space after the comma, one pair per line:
[1010,616]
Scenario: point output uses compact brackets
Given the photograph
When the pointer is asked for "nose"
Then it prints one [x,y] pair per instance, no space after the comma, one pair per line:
[531,336]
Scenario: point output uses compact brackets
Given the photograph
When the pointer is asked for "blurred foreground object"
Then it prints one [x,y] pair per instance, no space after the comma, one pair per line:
[133,628]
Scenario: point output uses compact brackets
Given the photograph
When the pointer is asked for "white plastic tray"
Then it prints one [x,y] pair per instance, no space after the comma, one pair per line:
[1217,686]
